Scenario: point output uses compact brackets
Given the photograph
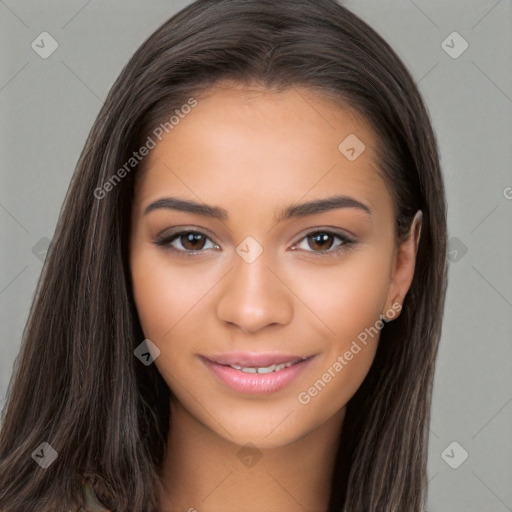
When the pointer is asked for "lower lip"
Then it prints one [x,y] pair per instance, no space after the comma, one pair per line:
[256,383]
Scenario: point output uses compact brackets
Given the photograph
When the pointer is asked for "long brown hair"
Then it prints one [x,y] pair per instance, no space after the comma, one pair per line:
[76,383]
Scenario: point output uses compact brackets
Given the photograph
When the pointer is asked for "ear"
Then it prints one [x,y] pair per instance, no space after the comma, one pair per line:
[403,267]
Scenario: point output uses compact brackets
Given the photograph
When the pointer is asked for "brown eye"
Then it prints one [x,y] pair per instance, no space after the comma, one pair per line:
[186,242]
[322,243]
[192,241]
[319,241]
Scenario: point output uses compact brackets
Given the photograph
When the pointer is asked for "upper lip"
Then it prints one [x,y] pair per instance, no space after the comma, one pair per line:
[253,359]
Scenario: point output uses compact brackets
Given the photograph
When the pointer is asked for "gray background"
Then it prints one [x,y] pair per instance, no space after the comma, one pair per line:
[48,106]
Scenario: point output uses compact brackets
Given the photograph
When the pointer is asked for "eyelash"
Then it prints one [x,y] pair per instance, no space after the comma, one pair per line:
[347,243]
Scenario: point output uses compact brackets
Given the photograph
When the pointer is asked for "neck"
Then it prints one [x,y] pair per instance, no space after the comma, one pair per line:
[205,472]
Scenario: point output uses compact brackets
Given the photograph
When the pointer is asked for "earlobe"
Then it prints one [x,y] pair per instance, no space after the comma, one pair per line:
[403,272]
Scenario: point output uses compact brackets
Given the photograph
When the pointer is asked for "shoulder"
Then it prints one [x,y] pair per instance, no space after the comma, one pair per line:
[91,502]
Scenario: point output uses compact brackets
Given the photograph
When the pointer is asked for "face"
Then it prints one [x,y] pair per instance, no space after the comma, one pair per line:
[258,241]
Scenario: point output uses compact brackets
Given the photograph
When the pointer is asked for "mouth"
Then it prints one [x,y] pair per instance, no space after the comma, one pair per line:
[256,373]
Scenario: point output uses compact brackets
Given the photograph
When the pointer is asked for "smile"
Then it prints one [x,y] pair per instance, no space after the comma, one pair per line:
[256,374]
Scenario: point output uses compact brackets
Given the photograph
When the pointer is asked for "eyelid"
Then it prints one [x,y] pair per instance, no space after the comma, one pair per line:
[180,229]
[331,230]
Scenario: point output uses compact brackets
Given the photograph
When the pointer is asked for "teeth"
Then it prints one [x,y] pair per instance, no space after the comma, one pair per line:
[265,369]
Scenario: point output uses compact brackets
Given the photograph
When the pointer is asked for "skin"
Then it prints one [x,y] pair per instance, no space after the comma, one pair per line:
[253,152]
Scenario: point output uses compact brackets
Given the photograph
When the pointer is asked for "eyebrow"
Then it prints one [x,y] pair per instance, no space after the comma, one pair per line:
[293,211]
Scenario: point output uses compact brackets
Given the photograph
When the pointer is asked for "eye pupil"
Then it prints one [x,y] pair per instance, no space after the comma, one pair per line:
[192,238]
[319,240]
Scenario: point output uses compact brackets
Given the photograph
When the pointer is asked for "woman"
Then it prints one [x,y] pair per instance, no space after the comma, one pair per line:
[242,302]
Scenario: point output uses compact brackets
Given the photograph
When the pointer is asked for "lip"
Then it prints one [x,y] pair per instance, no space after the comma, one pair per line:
[255,383]
[255,359]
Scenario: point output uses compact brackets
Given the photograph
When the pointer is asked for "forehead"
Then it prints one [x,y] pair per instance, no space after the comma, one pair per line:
[251,143]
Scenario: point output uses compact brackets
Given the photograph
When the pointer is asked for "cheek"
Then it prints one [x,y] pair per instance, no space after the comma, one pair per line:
[347,297]
[168,301]
[164,294]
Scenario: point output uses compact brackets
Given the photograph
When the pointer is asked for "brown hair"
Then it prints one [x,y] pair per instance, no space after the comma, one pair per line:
[77,384]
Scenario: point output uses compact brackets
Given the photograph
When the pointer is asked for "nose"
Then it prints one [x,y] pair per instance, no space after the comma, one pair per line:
[254,296]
